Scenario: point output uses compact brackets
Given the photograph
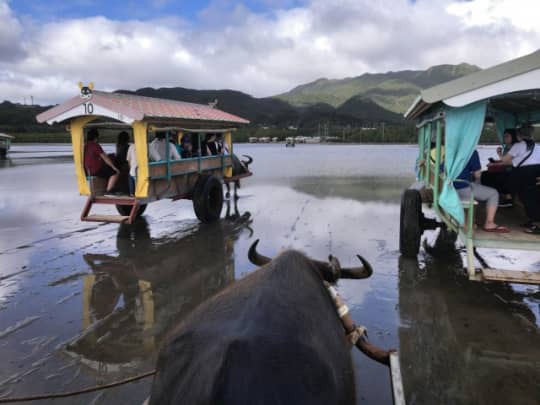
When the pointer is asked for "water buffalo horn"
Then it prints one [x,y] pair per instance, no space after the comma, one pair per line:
[353,272]
[358,272]
[255,257]
[249,161]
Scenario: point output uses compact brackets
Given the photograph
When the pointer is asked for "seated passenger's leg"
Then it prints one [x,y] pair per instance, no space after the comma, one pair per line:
[491,197]
[495,180]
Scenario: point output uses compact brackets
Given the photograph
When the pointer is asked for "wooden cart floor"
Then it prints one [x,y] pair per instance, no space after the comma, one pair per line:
[510,218]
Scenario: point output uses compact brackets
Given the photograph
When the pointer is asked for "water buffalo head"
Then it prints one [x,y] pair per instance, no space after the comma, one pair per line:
[330,271]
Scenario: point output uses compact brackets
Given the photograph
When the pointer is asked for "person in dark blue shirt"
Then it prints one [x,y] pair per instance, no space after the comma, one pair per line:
[469,182]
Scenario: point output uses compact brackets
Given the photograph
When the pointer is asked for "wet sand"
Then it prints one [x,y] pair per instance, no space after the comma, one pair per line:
[84,303]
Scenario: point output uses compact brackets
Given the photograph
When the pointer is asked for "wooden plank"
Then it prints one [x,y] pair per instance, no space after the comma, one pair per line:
[106,218]
[511,276]
[397,382]
[119,199]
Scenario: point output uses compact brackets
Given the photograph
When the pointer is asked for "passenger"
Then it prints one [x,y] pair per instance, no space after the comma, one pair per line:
[122,145]
[471,177]
[195,152]
[497,172]
[204,147]
[211,144]
[520,153]
[187,147]
[96,161]
[133,165]
[158,149]
[525,158]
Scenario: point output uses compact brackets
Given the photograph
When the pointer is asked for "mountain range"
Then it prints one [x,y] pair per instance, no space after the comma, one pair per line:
[351,102]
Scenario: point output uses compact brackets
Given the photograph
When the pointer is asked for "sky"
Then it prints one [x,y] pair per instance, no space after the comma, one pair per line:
[259,47]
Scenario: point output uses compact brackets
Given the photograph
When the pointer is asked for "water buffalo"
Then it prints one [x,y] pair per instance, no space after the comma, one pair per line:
[273,337]
[241,166]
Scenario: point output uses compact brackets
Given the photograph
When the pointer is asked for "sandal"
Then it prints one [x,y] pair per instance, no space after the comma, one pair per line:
[527,224]
[534,229]
[498,229]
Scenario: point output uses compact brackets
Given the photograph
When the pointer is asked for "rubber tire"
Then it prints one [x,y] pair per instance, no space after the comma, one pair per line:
[125,210]
[208,199]
[410,223]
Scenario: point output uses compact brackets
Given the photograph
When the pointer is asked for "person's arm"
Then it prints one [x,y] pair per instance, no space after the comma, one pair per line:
[109,162]
[507,159]
[477,175]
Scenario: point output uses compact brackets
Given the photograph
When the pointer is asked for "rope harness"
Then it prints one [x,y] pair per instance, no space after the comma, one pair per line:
[356,335]
[353,332]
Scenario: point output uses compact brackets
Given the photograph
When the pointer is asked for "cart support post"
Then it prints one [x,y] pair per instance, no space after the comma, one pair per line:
[421,154]
[427,152]
[77,141]
[141,149]
[436,174]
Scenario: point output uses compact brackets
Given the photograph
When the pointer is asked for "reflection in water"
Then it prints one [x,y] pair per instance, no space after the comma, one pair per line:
[460,342]
[131,301]
[6,162]
[365,188]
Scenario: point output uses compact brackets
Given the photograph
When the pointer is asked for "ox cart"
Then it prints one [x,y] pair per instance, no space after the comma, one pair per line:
[450,119]
[198,178]
[5,144]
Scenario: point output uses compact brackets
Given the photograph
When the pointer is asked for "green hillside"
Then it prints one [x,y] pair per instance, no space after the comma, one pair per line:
[393,91]
[345,107]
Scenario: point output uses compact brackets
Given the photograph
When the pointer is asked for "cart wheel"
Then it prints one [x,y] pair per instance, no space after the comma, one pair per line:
[410,223]
[125,210]
[208,198]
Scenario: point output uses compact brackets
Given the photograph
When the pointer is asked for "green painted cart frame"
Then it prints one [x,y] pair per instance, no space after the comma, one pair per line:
[511,92]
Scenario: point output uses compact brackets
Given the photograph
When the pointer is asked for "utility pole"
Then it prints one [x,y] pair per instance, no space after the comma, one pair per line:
[32,100]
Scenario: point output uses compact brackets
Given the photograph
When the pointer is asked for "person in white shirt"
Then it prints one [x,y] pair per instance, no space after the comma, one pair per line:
[131,157]
[523,152]
[525,157]
[158,149]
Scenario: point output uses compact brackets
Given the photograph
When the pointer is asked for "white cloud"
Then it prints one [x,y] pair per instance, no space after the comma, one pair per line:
[261,54]
[10,30]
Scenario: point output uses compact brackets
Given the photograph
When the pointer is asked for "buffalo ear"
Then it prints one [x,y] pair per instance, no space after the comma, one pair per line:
[80,85]
[335,266]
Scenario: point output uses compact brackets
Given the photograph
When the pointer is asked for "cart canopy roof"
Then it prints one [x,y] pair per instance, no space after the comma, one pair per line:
[516,80]
[128,108]
[6,136]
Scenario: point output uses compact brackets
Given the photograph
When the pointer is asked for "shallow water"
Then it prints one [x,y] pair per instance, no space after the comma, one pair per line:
[84,303]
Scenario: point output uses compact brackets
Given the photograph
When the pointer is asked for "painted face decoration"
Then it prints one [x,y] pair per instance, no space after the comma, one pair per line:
[86,91]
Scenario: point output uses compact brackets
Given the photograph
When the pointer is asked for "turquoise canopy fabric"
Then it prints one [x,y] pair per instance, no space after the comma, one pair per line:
[463,127]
